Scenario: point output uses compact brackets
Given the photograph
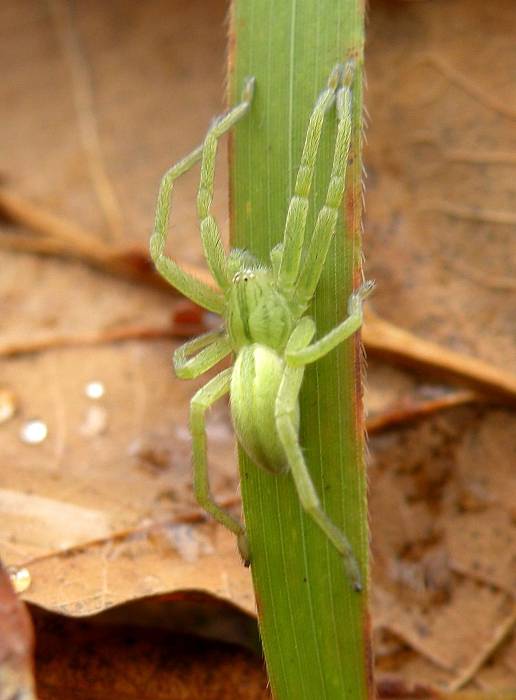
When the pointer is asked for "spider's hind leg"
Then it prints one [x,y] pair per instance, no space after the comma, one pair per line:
[201,402]
[286,402]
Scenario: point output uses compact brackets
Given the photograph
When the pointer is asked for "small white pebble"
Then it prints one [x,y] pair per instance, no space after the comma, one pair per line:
[95,422]
[8,405]
[95,390]
[20,578]
[33,432]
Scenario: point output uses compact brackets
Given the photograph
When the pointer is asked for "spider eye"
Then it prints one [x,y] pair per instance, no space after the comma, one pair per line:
[243,277]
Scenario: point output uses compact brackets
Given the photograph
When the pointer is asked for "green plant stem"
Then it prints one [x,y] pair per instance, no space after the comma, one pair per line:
[314,627]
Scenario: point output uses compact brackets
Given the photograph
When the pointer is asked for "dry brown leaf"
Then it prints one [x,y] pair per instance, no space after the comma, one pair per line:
[104,518]
[500,672]
[482,545]
[84,515]
[145,562]
[93,662]
[452,634]
[440,185]
[16,644]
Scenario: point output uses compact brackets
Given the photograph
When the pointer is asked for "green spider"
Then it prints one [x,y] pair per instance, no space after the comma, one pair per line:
[263,308]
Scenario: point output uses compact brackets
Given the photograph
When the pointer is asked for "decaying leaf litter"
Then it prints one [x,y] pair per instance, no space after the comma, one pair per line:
[105,515]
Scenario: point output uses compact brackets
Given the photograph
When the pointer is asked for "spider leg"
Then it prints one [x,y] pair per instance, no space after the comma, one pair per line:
[190,286]
[275,256]
[210,348]
[324,231]
[313,352]
[185,283]
[213,249]
[285,411]
[298,208]
[201,402]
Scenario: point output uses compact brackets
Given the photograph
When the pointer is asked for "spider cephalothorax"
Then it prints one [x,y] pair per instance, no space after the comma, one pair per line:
[256,311]
[263,310]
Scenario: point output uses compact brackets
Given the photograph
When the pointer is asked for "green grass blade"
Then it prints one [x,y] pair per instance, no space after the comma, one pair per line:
[314,627]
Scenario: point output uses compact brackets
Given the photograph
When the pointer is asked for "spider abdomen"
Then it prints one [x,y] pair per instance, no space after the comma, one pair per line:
[255,381]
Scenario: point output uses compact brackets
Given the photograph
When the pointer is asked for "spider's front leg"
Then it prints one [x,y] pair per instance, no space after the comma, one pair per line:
[285,411]
[185,283]
[326,223]
[290,251]
[191,287]
[201,402]
[212,244]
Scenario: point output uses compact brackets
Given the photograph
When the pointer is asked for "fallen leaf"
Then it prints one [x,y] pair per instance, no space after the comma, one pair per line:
[16,644]
[105,518]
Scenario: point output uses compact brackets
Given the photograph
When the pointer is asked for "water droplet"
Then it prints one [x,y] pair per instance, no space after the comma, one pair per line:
[20,578]
[95,390]
[8,404]
[33,432]
[95,422]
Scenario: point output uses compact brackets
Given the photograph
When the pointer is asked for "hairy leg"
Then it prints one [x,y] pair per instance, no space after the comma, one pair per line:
[313,352]
[288,396]
[213,249]
[210,348]
[201,402]
[188,285]
[185,283]
[324,231]
[298,208]
[275,256]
